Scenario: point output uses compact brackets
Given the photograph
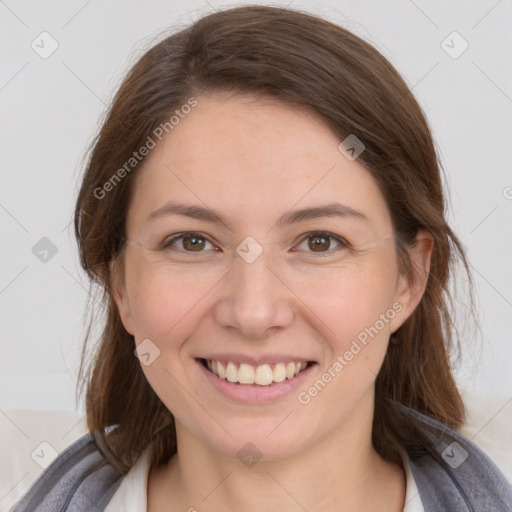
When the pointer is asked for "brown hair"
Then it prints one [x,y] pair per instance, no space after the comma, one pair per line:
[302,61]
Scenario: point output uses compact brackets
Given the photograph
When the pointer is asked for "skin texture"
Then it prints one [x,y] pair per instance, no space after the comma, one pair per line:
[252,161]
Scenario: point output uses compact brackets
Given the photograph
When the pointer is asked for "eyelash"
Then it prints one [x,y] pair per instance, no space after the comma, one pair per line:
[314,234]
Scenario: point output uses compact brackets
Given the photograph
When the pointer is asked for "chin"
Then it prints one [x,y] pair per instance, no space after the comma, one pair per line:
[258,440]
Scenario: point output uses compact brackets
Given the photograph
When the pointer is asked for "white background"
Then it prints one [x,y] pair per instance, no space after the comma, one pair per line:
[51,109]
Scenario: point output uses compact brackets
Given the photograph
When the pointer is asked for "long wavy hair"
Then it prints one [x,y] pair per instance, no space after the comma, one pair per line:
[302,61]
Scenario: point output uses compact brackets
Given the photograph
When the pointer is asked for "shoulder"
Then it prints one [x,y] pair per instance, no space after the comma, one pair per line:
[79,479]
[454,474]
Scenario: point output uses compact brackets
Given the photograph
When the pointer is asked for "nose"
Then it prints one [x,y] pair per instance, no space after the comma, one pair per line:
[254,299]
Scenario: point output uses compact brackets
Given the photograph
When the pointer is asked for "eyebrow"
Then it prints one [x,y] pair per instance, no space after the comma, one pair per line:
[310,213]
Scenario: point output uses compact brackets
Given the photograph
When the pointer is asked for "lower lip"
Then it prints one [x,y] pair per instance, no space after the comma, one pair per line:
[254,393]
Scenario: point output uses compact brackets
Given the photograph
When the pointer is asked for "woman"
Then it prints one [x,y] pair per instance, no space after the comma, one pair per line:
[264,212]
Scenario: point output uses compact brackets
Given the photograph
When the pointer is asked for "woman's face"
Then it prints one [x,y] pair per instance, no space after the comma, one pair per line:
[276,281]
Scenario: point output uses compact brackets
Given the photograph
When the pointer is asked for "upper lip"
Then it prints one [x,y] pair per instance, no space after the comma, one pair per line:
[256,360]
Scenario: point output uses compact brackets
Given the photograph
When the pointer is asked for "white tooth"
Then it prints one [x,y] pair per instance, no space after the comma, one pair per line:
[290,370]
[246,374]
[231,373]
[279,373]
[263,375]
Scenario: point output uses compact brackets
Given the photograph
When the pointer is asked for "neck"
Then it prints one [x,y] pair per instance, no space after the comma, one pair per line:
[342,472]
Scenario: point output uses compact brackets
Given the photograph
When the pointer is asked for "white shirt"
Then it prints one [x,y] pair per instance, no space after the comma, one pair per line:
[412,495]
[132,494]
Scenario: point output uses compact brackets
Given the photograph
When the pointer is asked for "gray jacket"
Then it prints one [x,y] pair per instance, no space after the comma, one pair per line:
[456,477]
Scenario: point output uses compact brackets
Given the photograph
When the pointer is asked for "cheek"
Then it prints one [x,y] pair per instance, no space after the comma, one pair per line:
[357,314]
[162,303]
[348,301]
[165,303]
[165,311]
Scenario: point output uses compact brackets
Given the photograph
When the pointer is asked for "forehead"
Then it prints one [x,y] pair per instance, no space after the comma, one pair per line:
[245,156]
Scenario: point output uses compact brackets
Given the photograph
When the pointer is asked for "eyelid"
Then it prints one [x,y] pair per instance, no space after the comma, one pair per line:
[177,236]
[167,243]
[326,234]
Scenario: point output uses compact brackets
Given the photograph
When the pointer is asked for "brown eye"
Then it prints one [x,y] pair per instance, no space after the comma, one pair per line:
[322,243]
[190,242]
[193,242]
[319,243]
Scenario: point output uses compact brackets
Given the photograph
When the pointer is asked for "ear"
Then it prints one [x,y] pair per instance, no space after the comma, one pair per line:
[411,286]
[119,294]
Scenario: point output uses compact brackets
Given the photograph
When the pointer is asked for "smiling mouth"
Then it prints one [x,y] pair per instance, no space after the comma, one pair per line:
[261,375]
